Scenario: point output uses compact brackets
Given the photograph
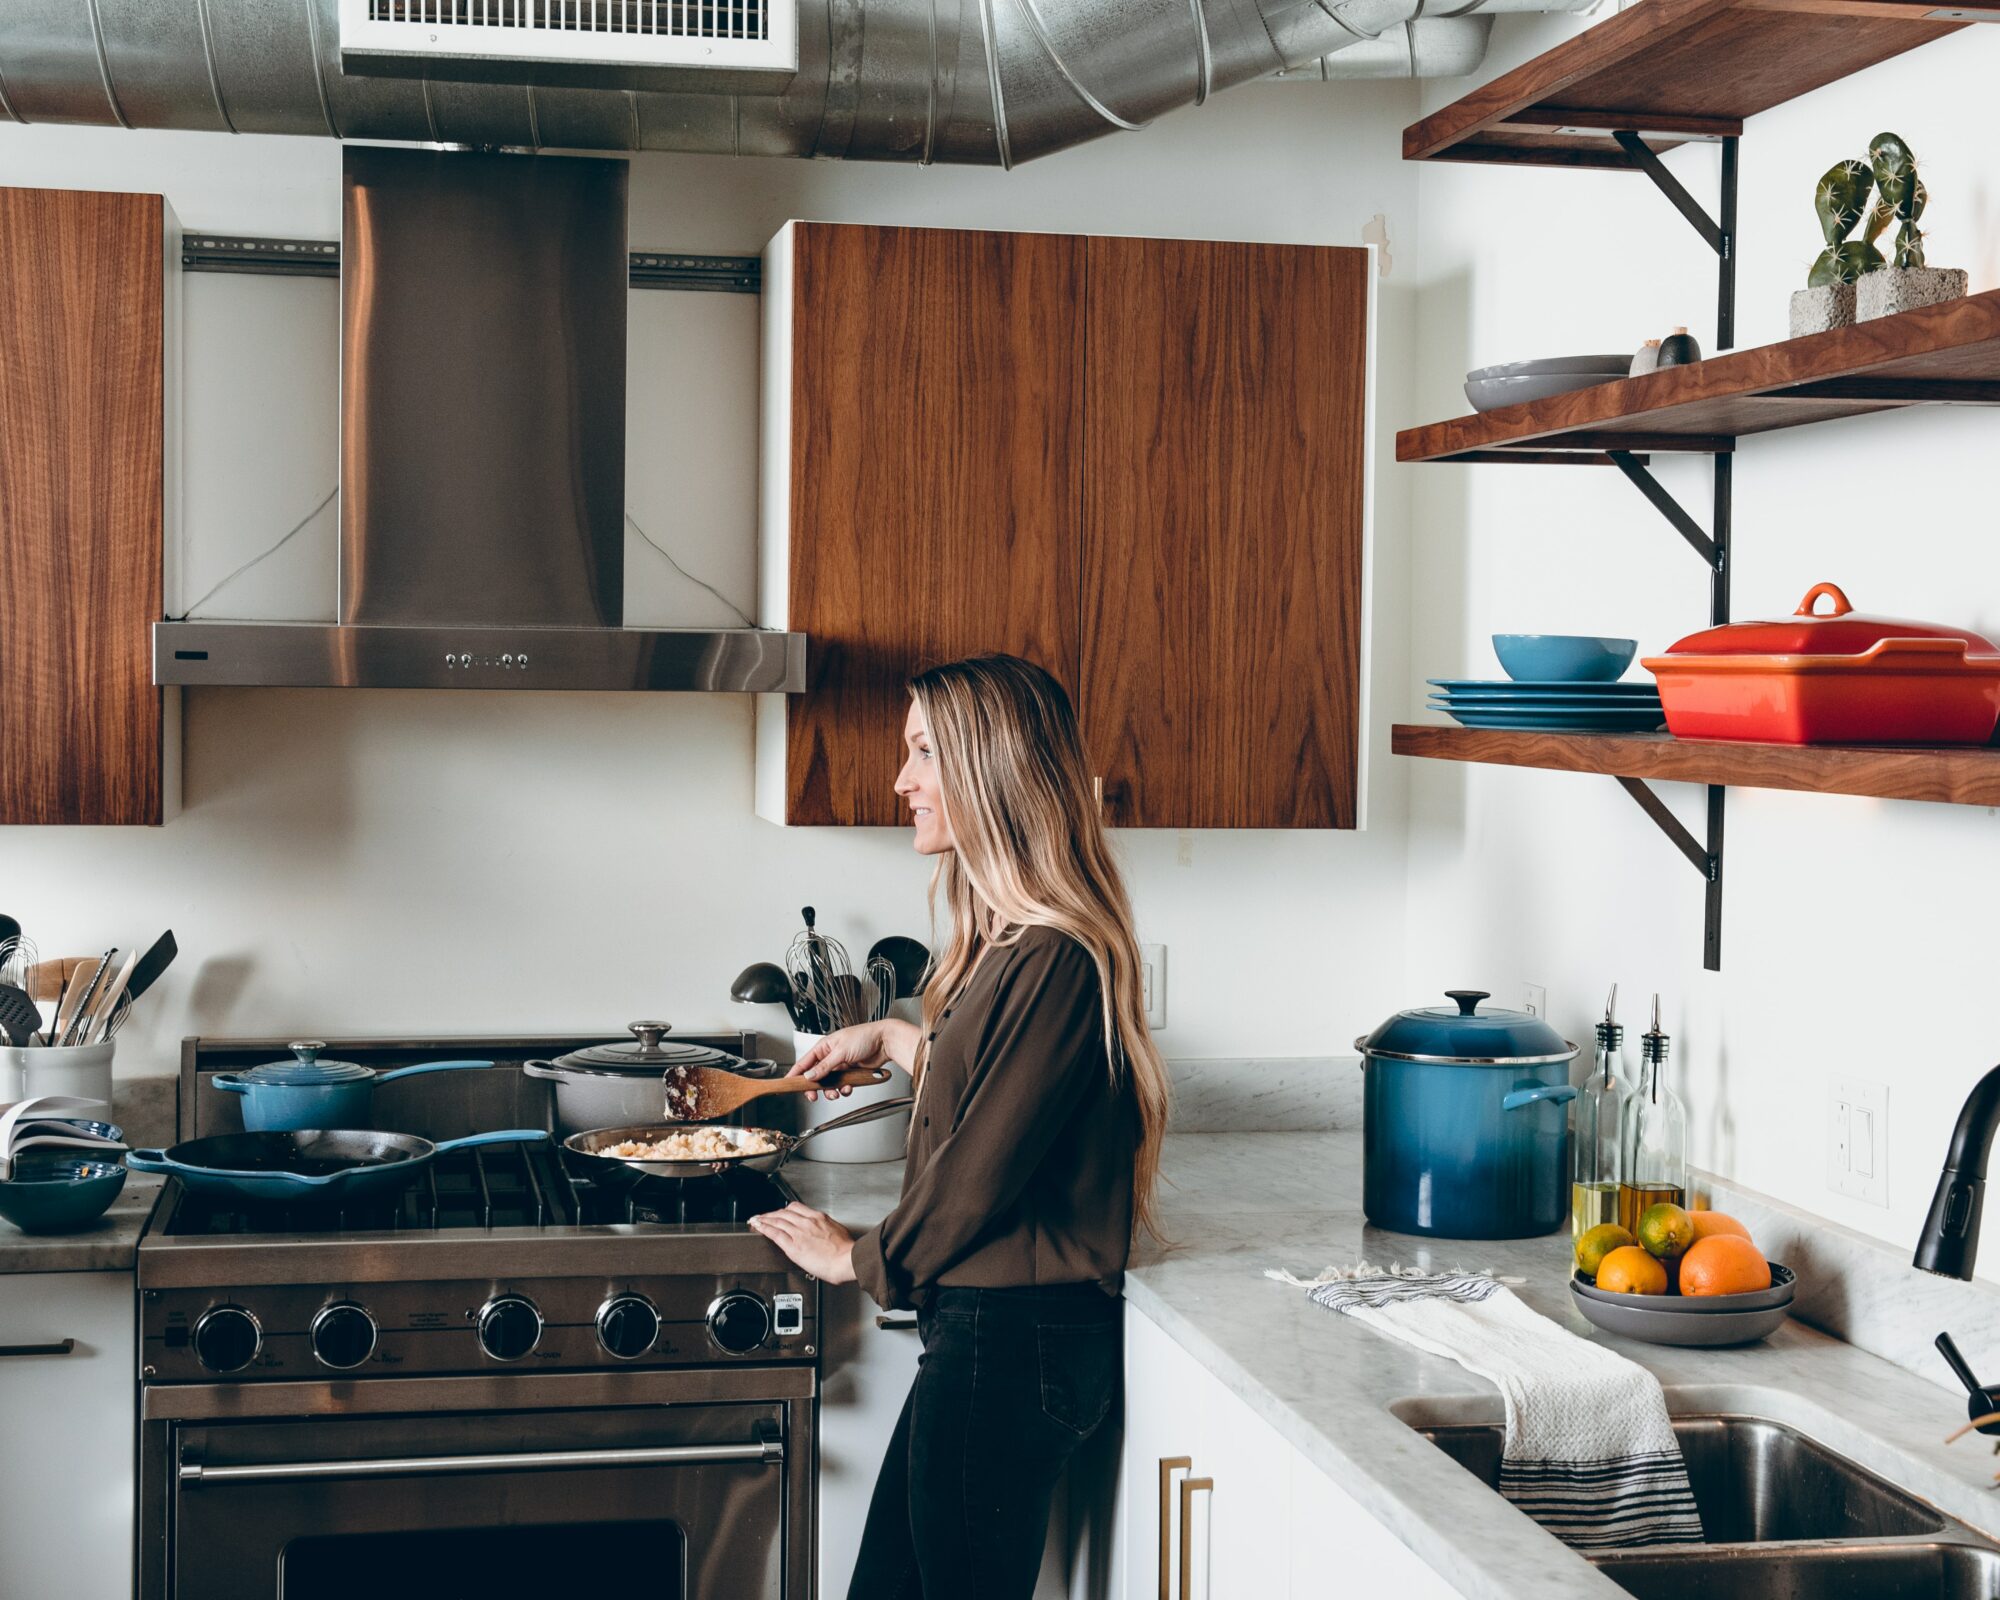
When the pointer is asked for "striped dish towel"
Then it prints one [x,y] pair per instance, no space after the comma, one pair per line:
[1589,1452]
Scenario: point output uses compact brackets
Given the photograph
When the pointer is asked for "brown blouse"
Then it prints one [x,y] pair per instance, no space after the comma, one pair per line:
[1021,1145]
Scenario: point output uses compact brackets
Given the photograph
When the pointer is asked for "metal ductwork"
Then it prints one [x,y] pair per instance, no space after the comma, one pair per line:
[978,82]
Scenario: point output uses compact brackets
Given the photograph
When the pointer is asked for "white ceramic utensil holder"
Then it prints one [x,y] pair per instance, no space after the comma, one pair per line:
[883,1140]
[79,1069]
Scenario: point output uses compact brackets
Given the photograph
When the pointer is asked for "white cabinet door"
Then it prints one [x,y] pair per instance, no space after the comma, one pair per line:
[1165,1389]
[865,1374]
[1247,1512]
[1338,1550]
[67,1426]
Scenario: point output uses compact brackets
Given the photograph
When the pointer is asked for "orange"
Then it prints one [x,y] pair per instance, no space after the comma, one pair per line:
[1707,1223]
[1665,1230]
[1630,1270]
[1724,1264]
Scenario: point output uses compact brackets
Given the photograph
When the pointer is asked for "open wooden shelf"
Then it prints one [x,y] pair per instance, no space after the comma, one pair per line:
[1669,70]
[1945,354]
[1965,775]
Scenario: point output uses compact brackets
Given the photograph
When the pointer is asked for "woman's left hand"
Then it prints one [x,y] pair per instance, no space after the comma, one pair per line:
[812,1239]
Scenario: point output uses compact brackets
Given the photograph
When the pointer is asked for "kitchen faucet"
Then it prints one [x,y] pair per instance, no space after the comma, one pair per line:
[1949,1243]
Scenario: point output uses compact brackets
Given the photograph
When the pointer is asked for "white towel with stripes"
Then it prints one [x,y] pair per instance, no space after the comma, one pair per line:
[1589,1452]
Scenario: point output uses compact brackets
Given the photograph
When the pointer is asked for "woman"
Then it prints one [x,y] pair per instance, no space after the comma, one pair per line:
[1034,1143]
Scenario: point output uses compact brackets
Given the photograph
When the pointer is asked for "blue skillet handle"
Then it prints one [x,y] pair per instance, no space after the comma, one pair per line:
[160,1161]
[428,1066]
[148,1161]
[230,1081]
[504,1136]
[1556,1092]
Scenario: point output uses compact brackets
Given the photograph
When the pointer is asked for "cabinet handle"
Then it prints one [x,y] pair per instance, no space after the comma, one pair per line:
[896,1322]
[1190,1487]
[1169,1465]
[1097,791]
[61,1347]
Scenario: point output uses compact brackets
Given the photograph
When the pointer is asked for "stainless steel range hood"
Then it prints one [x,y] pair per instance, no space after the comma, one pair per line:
[482,451]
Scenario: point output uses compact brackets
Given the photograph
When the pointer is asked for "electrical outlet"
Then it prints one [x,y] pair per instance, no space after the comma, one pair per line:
[1153,978]
[1535,1000]
[1857,1139]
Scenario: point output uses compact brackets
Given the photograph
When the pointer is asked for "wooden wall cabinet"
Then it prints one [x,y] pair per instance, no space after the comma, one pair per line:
[1139,462]
[87,344]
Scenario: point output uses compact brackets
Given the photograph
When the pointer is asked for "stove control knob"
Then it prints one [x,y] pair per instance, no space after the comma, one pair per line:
[627,1325]
[343,1335]
[739,1322]
[509,1327]
[227,1339]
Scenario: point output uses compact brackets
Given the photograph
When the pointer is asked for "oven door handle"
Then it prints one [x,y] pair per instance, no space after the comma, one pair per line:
[764,1451]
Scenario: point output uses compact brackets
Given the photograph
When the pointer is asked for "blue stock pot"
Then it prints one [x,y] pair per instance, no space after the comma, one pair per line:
[1465,1122]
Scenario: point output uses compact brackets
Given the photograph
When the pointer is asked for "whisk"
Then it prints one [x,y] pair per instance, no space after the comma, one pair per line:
[826,992]
[18,958]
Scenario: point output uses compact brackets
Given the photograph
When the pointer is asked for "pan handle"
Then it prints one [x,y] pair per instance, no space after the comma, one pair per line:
[504,1136]
[870,1113]
[428,1066]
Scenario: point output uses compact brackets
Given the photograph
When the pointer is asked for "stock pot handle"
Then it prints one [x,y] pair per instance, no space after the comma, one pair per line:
[1556,1092]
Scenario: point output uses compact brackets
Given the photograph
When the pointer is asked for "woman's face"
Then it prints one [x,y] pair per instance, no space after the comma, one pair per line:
[917,783]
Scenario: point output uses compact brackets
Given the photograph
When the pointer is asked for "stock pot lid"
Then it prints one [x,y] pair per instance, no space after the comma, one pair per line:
[648,1051]
[1461,1034]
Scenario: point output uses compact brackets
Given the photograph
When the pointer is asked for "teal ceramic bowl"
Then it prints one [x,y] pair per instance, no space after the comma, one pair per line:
[60,1196]
[1563,657]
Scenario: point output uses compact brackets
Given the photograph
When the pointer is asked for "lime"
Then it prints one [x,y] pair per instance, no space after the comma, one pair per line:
[1665,1230]
[1594,1244]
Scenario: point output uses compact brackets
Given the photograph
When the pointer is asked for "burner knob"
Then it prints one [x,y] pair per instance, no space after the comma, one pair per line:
[509,1327]
[627,1325]
[343,1335]
[739,1322]
[227,1339]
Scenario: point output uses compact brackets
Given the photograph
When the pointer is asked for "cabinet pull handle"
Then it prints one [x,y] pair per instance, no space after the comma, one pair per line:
[1097,791]
[896,1322]
[1169,1465]
[61,1347]
[1190,1487]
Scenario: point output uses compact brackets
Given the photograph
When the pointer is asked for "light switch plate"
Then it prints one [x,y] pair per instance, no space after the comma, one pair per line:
[1153,980]
[1535,1000]
[1857,1139]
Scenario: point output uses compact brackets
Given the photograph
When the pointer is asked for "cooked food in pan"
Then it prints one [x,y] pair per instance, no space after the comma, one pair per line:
[696,1144]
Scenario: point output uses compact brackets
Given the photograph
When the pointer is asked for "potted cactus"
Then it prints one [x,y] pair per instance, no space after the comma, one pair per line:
[1905,281]
[1840,200]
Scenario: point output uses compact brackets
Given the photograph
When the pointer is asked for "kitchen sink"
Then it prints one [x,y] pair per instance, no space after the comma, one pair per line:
[1938,1570]
[1754,1481]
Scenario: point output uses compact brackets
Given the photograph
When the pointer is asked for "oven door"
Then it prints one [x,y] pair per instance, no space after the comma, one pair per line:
[434,1489]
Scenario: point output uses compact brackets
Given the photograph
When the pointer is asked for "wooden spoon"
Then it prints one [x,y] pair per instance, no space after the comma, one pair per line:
[701,1094]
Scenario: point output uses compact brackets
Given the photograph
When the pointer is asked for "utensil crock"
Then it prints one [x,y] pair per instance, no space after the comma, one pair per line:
[84,1070]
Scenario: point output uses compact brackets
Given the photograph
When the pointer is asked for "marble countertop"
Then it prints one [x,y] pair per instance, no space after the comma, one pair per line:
[109,1245]
[1237,1203]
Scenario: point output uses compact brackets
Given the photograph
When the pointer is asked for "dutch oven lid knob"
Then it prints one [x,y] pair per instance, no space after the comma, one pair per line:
[307,1050]
[1468,999]
[649,1034]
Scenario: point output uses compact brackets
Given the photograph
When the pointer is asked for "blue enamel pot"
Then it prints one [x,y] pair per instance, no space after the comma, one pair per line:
[306,1092]
[1465,1122]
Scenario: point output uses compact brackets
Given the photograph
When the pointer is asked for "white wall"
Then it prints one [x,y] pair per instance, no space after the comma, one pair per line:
[1858,935]
[372,862]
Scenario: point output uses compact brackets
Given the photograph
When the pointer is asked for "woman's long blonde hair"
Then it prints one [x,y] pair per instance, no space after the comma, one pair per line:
[1029,851]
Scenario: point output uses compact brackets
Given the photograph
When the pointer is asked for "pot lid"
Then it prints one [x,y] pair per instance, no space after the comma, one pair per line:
[648,1051]
[1461,1034]
[1842,631]
[305,1068]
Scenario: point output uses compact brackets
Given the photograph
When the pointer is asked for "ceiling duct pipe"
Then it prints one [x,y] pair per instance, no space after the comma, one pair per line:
[979,82]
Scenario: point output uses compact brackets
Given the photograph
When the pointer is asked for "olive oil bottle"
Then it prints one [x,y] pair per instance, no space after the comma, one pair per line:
[1594,1145]
[1653,1143]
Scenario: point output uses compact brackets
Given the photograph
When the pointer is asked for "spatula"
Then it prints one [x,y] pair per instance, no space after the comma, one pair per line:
[20,1017]
[701,1094]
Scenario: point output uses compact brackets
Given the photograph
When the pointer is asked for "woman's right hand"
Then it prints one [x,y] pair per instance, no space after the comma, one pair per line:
[866,1044]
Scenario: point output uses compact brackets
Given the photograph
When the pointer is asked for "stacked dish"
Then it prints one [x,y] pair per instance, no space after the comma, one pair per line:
[1515,382]
[1553,707]
[1721,1319]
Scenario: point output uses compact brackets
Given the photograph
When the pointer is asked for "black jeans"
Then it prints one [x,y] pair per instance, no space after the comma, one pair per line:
[1010,1382]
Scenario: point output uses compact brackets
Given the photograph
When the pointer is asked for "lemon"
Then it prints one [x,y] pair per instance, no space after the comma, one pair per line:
[1665,1230]
[1594,1244]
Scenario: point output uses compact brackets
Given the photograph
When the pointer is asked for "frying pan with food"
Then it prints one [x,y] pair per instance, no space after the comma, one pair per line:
[755,1149]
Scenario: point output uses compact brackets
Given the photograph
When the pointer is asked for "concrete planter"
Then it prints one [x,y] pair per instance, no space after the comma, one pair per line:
[1894,289]
[1816,310]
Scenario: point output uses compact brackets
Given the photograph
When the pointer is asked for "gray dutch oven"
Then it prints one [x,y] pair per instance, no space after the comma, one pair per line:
[1465,1122]
[612,1085]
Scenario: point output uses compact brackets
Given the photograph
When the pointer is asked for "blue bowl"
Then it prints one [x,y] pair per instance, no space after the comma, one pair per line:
[1563,657]
[60,1196]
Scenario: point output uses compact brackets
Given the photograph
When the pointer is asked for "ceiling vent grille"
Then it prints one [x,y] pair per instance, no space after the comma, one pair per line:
[613,44]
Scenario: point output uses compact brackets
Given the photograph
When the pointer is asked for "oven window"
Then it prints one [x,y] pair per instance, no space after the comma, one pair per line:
[646,1558]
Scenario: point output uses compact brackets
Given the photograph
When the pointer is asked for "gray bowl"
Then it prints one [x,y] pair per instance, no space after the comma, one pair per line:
[1784,1284]
[1615,364]
[1490,394]
[1642,1317]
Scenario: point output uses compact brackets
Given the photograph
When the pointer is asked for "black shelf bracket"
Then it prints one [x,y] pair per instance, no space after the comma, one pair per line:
[1711,545]
[320,258]
[1719,233]
[1706,859]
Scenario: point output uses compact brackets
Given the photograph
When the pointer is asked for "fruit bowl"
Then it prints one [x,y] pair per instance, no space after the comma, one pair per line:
[1665,1319]
[1783,1284]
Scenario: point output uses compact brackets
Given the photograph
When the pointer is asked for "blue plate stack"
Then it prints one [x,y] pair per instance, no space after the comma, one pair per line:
[1564,706]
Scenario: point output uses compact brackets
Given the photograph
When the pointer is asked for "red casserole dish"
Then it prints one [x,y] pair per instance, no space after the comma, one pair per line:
[1834,678]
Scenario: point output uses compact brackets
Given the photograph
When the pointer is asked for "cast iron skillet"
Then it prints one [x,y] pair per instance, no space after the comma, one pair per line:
[317,1164]
[621,1172]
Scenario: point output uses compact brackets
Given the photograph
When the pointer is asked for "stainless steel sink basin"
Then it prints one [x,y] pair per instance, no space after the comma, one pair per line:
[1754,1481]
[1917,1571]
